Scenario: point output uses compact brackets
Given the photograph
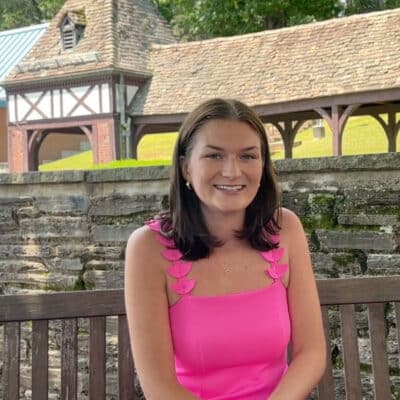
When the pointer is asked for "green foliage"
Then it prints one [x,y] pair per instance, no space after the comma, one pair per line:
[363,6]
[18,13]
[202,19]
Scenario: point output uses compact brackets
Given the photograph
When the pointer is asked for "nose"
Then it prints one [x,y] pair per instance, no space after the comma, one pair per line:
[231,168]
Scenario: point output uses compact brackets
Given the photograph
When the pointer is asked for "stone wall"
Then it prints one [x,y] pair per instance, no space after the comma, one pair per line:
[67,230]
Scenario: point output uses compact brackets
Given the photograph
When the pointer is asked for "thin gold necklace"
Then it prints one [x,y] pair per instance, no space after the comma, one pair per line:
[228,267]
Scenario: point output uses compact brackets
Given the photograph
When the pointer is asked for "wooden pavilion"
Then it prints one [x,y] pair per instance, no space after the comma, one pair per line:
[125,77]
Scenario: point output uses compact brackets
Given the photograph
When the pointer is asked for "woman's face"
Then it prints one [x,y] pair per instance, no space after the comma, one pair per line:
[224,167]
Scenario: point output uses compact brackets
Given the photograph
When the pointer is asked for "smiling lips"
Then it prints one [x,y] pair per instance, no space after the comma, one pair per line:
[230,188]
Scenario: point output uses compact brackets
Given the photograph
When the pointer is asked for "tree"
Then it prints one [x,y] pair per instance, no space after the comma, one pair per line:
[363,6]
[18,13]
[202,19]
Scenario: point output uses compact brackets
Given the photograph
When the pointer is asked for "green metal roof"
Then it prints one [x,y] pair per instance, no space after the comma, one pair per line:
[15,44]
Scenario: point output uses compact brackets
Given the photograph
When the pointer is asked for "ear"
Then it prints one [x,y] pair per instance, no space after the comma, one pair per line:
[184,167]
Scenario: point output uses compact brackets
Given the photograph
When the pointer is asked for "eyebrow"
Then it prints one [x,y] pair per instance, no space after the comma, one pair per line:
[221,149]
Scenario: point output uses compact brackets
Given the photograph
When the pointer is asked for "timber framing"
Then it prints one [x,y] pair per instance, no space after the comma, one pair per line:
[331,70]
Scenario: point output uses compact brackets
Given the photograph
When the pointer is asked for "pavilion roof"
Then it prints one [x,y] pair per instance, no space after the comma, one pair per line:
[354,54]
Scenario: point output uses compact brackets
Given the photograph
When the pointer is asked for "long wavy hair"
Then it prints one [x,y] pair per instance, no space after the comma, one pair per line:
[184,221]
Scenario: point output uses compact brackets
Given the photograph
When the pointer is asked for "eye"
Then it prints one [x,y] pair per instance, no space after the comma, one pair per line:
[248,156]
[214,156]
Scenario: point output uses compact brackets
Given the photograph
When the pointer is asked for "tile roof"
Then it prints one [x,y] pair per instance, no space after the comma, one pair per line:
[117,36]
[14,45]
[339,56]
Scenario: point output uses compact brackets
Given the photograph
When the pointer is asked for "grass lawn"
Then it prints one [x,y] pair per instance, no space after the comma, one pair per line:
[363,135]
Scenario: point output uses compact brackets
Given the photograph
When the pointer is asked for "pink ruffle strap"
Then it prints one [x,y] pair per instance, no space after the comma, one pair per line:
[183,286]
[275,238]
[172,254]
[179,268]
[154,225]
[273,256]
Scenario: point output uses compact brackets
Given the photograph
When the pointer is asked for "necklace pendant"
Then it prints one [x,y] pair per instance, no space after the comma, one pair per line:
[226,268]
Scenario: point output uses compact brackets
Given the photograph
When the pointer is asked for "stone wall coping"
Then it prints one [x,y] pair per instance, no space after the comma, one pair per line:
[385,161]
[367,162]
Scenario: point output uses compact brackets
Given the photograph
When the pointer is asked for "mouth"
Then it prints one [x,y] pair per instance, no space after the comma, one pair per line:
[230,188]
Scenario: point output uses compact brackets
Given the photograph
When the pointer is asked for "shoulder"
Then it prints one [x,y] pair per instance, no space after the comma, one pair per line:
[143,251]
[289,221]
[141,239]
[292,233]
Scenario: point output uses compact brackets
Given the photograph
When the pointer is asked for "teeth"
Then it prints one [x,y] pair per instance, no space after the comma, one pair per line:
[223,187]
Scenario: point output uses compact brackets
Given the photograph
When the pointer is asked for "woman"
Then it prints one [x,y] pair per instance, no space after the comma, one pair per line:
[217,286]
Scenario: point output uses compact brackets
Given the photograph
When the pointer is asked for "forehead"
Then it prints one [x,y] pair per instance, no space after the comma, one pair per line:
[227,133]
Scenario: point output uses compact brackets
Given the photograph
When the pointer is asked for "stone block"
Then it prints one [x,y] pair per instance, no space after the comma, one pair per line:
[104,279]
[358,240]
[5,214]
[321,203]
[89,252]
[28,212]
[30,274]
[15,202]
[105,265]
[383,264]
[63,204]
[296,201]
[13,251]
[129,174]
[64,265]
[335,265]
[112,233]
[125,205]
[368,219]
[371,197]
[8,222]
[11,237]
[55,227]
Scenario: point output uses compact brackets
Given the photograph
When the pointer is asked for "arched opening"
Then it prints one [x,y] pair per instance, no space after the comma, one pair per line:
[302,135]
[62,145]
[157,146]
[364,135]
[313,139]
[49,146]
[275,142]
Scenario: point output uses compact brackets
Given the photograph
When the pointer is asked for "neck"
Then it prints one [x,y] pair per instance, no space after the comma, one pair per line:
[224,228]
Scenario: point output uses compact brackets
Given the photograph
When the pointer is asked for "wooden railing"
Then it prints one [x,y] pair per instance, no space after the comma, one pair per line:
[374,292]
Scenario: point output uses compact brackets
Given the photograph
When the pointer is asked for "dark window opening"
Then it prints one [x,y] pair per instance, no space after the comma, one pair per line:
[72,30]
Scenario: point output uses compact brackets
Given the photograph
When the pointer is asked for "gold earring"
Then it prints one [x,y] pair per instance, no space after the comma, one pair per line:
[188,185]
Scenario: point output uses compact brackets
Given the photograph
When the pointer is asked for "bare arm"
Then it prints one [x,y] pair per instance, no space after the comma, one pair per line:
[147,312]
[308,340]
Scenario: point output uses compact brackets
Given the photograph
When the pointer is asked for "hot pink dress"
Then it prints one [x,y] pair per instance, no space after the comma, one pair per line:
[228,347]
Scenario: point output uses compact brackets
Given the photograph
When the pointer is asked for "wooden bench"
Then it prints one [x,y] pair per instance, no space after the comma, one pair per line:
[344,294]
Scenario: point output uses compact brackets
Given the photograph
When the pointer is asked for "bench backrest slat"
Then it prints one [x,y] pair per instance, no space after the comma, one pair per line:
[351,357]
[326,387]
[78,304]
[375,292]
[69,360]
[359,290]
[40,359]
[378,349]
[125,362]
[97,358]
[11,369]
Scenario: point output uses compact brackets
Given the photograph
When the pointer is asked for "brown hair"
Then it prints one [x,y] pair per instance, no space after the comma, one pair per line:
[184,221]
